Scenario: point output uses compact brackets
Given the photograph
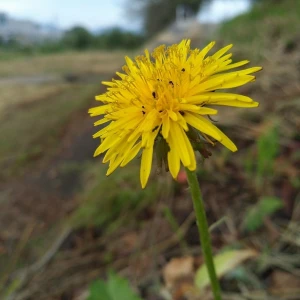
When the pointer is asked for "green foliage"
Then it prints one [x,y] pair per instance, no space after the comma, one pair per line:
[267,150]
[115,199]
[115,288]
[267,22]
[261,165]
[50,46]
[117,38]
[11,48]
[264,208]
[10,289]
[78,38]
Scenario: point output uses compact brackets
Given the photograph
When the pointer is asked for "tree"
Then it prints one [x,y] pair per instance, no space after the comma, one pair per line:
[158,14]
[78,38]
[117,38]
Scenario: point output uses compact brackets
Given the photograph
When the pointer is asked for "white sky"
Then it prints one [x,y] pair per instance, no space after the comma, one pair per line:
[96,14]
[220,10]
[93,14]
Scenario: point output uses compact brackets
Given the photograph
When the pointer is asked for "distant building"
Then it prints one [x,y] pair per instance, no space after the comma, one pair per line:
[26,32]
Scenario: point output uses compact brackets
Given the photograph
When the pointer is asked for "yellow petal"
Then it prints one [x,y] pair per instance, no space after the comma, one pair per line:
[215,98]
[224,139]
[207,111]
[166,127]
[121,75]
[114,165]
[182,122]
[181,143]
[119,147]
[102,121]
[235,65]
[100,110]
[205,50]
[107,143]
[130,155]
[222,51]
[222,99]
[146,163]
[188,107]
[236,103]
[109,83]
[174,163]
[207,128]
[172,115]
[249,70]
[192,165]
[238,81]
[221,81]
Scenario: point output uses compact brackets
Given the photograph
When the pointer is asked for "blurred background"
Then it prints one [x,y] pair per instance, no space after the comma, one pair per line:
[69,232]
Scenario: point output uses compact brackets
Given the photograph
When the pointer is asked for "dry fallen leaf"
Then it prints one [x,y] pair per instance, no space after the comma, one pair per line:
[177,269]
[283,283]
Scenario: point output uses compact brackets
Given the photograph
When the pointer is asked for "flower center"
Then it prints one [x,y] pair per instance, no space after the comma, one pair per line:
[164,98]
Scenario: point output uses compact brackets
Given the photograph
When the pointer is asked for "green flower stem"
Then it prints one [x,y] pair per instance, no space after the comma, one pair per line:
[203,231]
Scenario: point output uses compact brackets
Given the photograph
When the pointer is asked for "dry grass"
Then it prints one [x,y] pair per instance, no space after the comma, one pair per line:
[12,95]
[23,92]
[31,113]
[61,63]
[29,130]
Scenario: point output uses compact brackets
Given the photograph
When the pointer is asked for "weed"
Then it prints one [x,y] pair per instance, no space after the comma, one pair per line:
[267,150]
[115,199]
[264,208]
[114,288]
[260,165]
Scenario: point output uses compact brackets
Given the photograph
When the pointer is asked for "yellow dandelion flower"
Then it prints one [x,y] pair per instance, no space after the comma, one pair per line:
[165,97]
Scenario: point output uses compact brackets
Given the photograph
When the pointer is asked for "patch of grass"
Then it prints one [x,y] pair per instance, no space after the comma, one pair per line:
[260,165]
[68,167]
[6,55]
[26,94]
[259,14]
[28,131]
[61,63]
[266,21]
[110,201]
[268,149]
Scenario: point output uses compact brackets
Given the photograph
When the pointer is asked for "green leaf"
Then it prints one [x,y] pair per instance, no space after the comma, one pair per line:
[264,208]
[224,262]
[98,291]
[115,288]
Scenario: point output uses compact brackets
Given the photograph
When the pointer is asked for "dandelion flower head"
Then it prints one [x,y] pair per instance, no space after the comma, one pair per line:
[165,96]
